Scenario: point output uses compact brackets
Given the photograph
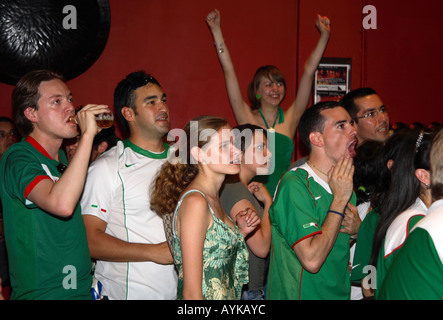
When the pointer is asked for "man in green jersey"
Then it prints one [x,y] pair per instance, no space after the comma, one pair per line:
[312,215]
[45,235]
[417,271]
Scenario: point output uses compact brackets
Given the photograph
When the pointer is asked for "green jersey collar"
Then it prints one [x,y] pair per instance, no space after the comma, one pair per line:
[163,155]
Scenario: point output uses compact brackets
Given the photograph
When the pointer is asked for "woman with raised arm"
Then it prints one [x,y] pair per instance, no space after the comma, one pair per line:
[266,92]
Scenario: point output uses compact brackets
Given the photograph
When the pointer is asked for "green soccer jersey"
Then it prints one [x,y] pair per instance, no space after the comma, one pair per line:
[417,272]
[363,246]
[48,255]
[396,235]
[298,212]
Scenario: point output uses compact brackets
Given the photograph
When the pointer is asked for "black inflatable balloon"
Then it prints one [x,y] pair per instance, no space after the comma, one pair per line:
[66,36]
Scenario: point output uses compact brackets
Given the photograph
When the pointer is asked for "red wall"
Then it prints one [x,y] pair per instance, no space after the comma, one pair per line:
[169,38]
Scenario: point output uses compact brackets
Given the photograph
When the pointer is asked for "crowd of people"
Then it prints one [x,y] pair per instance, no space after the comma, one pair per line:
[223,213]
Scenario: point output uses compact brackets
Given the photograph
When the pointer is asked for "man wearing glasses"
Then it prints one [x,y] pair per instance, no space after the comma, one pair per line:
[370,115]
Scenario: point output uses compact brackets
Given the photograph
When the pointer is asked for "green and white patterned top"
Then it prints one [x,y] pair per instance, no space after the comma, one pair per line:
[225,260]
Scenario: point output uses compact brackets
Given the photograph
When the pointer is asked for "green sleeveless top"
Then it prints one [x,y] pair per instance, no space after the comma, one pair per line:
[225,259]
[281,150]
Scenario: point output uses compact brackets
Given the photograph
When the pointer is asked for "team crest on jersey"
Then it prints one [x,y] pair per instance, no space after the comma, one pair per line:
[309,225]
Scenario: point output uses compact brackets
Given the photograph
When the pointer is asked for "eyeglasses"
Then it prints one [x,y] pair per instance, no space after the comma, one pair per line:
[374,113]
[4,134]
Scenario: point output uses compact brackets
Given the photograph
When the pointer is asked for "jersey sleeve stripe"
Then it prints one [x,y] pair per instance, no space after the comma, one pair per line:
[308,236]
[33,183]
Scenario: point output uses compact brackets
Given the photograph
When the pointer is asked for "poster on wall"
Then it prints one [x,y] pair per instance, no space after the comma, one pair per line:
[332,79]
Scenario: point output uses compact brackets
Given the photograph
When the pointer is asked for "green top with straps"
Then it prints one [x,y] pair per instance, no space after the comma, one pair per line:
[281,147]
[225,259]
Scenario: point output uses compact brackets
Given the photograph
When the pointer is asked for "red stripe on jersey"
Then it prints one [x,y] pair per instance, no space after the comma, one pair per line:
[37,145]
[33,183]
[308,236]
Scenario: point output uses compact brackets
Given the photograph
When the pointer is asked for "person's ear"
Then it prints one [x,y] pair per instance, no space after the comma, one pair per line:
[128,114]
[389,164]
[102,147]
[316,139]
[196,154]
[424,176]
[30,113]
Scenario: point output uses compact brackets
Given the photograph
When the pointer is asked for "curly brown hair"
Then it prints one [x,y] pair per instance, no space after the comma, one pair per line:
[173,178]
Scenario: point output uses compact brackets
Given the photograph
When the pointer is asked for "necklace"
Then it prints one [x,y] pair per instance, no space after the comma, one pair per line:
[279,116]
[309,161]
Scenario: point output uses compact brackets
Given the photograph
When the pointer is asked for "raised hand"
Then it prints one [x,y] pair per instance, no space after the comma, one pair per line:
[213,19]
[323,25]
[341,180]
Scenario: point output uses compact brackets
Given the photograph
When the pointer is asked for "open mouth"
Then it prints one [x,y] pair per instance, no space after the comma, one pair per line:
[275,96]
[384,130]
[351,148]
[162,117]
[71,120]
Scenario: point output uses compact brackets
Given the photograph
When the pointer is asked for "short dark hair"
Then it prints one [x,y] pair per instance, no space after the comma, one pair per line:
[6,119]
[124,95]
[107,135]
[313,121]
[26,94]
[348,101]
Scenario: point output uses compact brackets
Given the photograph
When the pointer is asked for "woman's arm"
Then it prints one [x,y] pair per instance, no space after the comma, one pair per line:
[193,221]
[241,109]
[295,111]
[259,241]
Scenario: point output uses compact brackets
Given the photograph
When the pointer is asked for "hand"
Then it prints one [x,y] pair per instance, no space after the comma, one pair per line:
[323,25]
[340,180]
[163,253]
[352,221]
[260,191]
[86,117]
[247,220]
[213,19]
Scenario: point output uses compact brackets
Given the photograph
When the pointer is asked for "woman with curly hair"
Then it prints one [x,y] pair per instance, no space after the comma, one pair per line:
[208,246]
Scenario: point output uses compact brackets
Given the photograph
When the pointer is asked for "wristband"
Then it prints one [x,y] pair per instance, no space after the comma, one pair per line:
[336,212]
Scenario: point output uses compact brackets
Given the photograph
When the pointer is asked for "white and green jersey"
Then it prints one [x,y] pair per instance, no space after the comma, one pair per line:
[396,235]
[417,272]
[117,191]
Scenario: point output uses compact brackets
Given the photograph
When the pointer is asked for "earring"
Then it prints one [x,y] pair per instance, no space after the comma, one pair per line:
[427,186]
[258,96]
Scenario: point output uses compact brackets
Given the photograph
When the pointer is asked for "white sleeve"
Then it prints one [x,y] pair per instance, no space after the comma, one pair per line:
[98,193]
